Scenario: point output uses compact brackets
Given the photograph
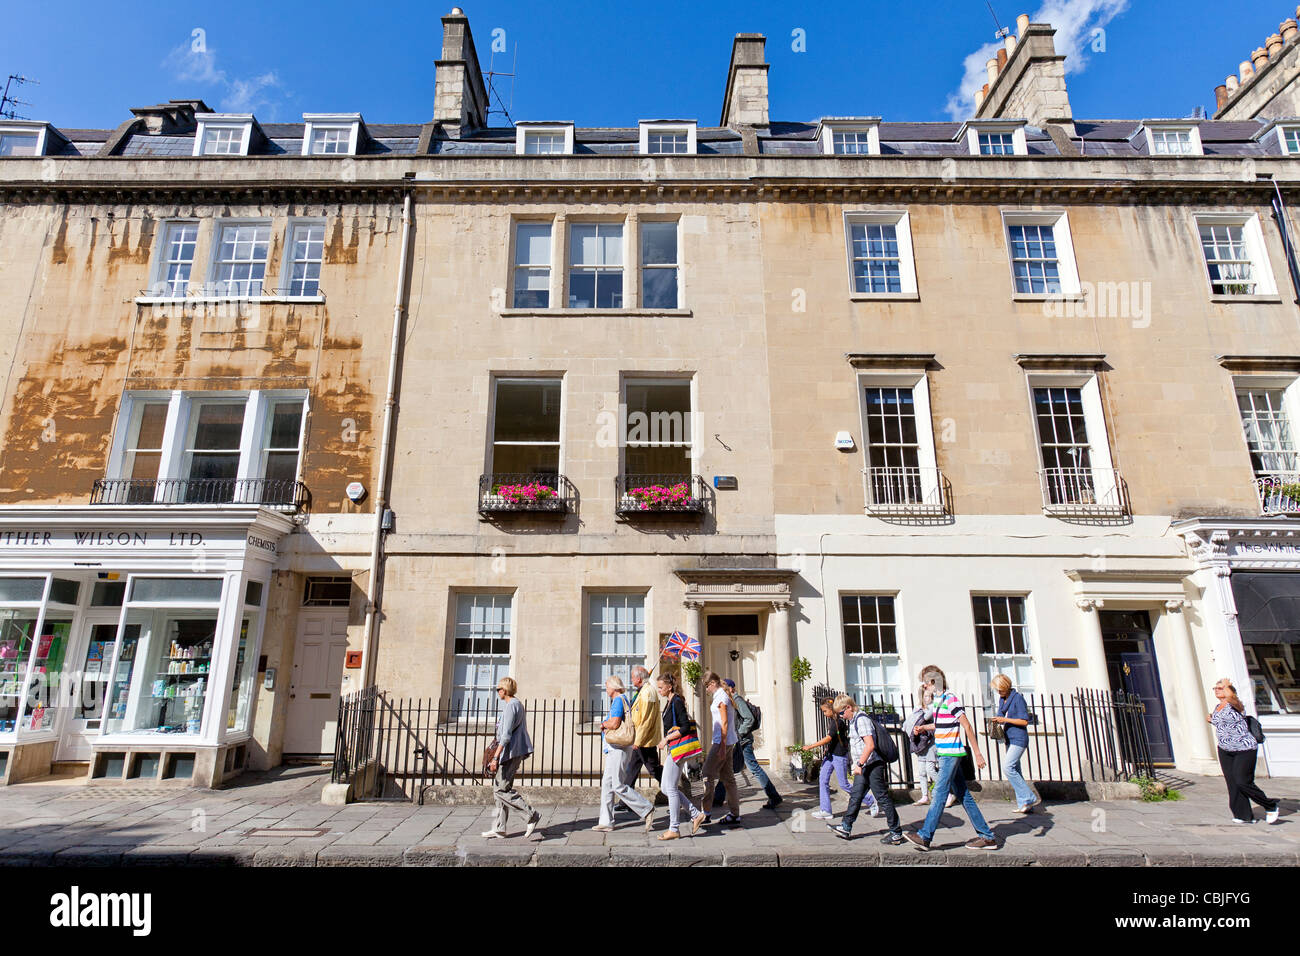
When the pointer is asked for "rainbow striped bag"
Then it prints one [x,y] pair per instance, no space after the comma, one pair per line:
[684,747]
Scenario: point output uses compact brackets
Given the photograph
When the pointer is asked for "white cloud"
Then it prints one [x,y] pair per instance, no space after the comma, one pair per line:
[1074,22]
[199,67]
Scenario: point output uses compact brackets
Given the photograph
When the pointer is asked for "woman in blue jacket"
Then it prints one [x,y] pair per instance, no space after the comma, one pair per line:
[1013,714]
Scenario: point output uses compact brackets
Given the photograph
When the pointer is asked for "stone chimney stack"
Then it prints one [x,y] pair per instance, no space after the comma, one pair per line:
[745,102]
[460,100]
[1268,85]
[1027,80]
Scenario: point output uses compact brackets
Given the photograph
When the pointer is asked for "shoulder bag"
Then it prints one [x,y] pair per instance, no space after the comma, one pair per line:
[625,733]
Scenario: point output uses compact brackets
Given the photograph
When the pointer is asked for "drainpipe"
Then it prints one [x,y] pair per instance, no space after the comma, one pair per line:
[385,450]
[1279,210]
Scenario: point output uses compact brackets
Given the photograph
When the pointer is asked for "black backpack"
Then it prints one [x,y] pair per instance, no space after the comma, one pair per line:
[756,714]
[882,743]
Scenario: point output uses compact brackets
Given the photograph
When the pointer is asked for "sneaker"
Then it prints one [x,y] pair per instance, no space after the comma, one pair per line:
[917,841]
[979,843]
[840,831]
[821,815]
[773,803]
[875,810]
[1235,820]
[730,820]
[535,819]
[1271,815]
[492,835]
[892,839]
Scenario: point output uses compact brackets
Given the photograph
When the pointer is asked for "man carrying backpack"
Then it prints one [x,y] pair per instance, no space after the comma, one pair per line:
[871,751]
[751,718]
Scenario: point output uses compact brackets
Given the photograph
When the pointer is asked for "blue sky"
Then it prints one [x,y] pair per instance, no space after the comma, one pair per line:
[610,64]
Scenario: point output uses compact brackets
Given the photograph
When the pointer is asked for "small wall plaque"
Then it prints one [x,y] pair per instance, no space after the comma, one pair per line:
[725,482]
[1065,662]
[353,659]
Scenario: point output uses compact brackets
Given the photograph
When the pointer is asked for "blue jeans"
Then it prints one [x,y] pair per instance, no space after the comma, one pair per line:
[1024,795]
[831,766]
[875,778]
[951,781]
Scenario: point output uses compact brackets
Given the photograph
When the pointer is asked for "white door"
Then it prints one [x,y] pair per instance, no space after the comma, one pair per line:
[744,670]
[319,649]
[89,659]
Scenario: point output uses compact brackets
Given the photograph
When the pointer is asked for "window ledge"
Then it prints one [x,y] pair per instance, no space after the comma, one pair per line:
[1048,297]
[1246,298]
[608,313]
[174,299]
[885,297]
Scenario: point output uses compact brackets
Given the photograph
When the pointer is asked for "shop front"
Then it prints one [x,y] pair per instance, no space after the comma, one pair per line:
[1252,580]
[129,639]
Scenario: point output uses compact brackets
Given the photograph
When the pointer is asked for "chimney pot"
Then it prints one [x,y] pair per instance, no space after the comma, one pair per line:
[1010,44]
[1274,44]
[457,12]
[1002,60]
[979,99]
[1259,57]
[985,89]
[1288,29]
[1231,83]
[1221,96]
[1022,23]
[1245,70]
[992,68]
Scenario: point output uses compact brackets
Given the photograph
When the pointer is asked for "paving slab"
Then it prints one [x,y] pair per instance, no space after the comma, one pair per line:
[361,856]
[559,854]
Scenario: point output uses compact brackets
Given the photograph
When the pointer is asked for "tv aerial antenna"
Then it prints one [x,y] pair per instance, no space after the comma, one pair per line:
[8,102]
[492,80]
[1001,32]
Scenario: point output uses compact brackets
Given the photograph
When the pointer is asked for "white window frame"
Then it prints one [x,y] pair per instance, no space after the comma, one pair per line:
[214,257]
[1253,235]
[39,130]
[1019,145]
[591,597]
[994,659]
[1149,129]
[654,379]
[515,265]
[828,128]
[158,283]
[902,223]
[1289,386]
[1094,421]
[853,689]
[181,421]
[509,595]
[642,266]
[314,121]
[240,121]
[497,381]
[675,126]
[918,382]
[570,267]
[525,129]
[287,260]
[1283,129]
[1066,266]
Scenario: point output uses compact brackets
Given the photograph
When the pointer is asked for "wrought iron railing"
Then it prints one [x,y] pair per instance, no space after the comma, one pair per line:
[659,494]
[1279,493]
[509,492]
[1083,491]
[906,491]
[278,493]
[1087,736]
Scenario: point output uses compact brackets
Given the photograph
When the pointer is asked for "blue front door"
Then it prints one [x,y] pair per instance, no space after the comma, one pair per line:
[1131,664]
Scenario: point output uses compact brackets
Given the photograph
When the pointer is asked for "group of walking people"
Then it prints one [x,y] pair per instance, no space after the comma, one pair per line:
[651,726]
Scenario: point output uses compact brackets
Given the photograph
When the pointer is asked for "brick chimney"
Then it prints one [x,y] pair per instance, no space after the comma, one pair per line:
[460,100]
[1268,86]
[1027,80]
[745,102]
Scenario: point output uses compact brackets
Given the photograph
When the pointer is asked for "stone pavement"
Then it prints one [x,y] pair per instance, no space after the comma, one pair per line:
[276,819]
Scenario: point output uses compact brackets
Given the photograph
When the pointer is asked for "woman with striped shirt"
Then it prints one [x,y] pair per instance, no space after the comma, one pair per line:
[1238,751]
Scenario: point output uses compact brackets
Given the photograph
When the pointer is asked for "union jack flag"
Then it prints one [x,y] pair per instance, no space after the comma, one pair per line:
[680,646]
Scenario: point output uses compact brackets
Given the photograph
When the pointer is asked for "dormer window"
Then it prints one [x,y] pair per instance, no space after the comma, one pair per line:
[1172,139]
[28,138]
[543,139]
[848,138]
[330,134]
[995,138]
[1287,135]
[223,135]
[668,139]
